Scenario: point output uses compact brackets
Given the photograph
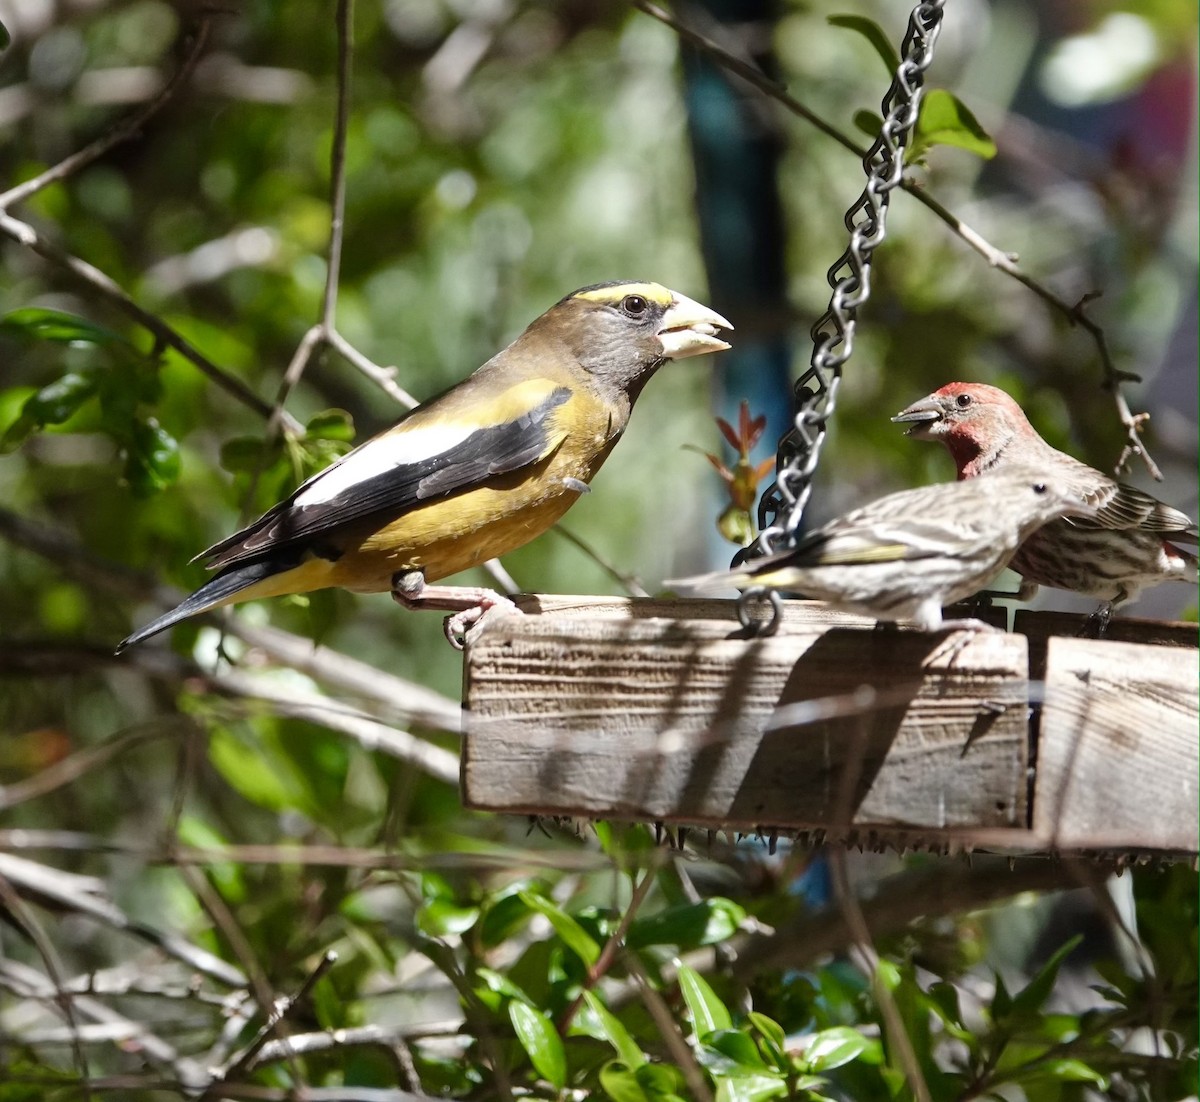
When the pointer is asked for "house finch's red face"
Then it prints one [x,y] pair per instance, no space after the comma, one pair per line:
[1128,545]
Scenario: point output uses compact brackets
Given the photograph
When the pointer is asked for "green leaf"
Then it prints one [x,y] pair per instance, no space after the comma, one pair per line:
[874,34]
[831,1048]
[620,1084]
[152,460]
[440,917]
[330,424]
[945,120]
[247,454]
[774,1041]
[1029,1000]
[5,37]
[1060,1070]
[688,926]
[749,1088]
[869,123]
[573,935]
[738,1048]
[708,1012]
[55,325]
[540,1041]
[61,399]
[661,1081]
[499,984]
[503,917]
[614,1032]
[1001,1001]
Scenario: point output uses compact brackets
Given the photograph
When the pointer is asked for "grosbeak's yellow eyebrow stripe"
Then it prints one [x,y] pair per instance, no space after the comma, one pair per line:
[652,292]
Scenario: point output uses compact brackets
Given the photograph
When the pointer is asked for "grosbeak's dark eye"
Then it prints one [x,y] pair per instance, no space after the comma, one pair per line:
[634,305]
[962,401]
[1039,487]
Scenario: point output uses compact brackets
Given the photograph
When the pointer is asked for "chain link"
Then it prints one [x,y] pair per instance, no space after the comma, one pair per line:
[814,397]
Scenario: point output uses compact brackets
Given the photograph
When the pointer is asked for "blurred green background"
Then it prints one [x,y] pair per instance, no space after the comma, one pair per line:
[499,155]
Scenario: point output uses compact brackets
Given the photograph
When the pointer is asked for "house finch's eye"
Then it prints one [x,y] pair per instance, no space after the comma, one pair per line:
[962,401]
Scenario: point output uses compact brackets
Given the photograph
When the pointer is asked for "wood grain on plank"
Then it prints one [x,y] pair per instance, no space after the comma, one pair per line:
[644,718]
[1117,757]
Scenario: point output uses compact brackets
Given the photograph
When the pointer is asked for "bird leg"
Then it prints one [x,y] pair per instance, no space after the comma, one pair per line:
[468,603]
[1096,625]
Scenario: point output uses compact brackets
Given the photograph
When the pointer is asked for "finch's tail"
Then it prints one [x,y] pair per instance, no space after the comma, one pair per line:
[214,593]
[707,583]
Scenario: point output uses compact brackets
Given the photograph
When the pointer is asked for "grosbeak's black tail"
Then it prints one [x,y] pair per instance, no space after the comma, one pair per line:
[214,592]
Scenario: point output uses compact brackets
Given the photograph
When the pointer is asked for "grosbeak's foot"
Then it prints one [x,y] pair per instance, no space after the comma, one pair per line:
[467,603]
[1096,625]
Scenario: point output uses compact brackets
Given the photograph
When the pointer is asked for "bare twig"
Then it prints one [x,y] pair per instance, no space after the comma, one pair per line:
[124,130]
[23,916]
[658,1010]
[278,1013]
[382,377]
[608,954]
[369,732]
[1005,262]
[107,288]
[333,856]
[337,173]
[867,959]
[632,586]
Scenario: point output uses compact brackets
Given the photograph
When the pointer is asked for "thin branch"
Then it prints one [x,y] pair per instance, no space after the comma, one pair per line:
[107,288]
[662,1017]
[279,1012]
[403,698]
[864,955]
[337,170]
[370,733]
[27,983]
[609,953]
[382,377]
[292,855]
[1005,262]
[19,913]
[124,130]
[629,582]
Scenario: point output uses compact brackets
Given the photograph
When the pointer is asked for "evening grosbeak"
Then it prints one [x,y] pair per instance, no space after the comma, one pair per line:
[473,473]
[1128,545]
[904,556]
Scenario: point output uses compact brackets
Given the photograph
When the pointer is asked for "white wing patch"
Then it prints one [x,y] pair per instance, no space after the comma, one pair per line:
[378,456]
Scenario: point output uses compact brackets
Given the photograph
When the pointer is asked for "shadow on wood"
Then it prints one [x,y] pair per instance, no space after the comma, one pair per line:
[655,719]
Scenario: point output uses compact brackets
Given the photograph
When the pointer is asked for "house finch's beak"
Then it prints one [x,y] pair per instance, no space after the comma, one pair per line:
[920,415]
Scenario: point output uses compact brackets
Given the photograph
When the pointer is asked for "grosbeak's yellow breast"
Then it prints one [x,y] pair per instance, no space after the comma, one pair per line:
[453,534]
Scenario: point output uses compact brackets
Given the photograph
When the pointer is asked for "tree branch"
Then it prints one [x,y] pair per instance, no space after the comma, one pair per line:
[1005,262]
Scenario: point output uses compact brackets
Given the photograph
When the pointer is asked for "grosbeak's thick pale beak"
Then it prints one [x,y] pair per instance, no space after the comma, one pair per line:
[689,329]
[921,415]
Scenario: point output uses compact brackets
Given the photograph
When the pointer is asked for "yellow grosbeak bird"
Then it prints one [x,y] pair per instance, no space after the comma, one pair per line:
[473,473]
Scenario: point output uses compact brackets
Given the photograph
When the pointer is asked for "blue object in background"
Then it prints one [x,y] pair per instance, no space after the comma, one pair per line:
[737,149]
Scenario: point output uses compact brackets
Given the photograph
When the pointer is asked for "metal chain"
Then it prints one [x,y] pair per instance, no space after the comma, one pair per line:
[814,396]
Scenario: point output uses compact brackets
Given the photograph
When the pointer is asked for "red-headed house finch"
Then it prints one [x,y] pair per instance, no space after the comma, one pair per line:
[906,555]
[1112,555]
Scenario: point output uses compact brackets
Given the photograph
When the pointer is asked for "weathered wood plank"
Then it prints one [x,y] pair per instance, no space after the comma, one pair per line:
[617,717]
[1117,757]
[1039,627]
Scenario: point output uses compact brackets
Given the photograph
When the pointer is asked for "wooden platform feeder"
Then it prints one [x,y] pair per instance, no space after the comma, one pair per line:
[665,711]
